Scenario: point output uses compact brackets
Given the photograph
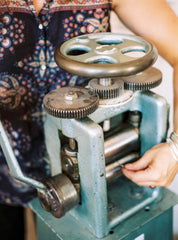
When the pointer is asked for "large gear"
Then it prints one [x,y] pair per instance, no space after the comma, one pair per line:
[145,80]
[70,102]
[108,91]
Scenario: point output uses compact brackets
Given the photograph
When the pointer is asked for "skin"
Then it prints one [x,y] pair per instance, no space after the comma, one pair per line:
[155,21]
[38,4]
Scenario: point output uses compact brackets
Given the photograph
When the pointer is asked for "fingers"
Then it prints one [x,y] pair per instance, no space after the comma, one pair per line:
[147,171]
[143,177]
[141,164]
[156,168]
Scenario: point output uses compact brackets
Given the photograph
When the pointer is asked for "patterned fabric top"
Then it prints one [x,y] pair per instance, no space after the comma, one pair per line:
[28,71]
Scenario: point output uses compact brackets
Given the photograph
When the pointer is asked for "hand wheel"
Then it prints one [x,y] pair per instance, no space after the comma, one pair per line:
[105,55]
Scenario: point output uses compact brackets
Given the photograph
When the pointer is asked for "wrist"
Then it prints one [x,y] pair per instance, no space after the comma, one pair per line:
[176,131]
[172,141]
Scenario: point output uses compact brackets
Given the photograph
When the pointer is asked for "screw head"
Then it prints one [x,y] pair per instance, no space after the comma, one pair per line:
[71,95]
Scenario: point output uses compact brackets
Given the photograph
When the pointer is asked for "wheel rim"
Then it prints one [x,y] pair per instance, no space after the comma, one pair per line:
[105,55]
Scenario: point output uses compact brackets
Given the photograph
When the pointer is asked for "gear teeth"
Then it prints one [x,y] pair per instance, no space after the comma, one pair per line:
[143,81]
[141,86]
[56,104]
[107,92]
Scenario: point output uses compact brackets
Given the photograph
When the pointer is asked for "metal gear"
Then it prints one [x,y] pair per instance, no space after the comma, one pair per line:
[145,80]
[112,88]
[70,102]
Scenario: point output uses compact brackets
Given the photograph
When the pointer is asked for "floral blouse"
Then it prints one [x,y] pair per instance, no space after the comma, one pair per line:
[28,71]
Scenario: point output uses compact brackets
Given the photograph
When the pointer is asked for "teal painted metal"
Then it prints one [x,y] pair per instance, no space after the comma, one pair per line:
[151,223]
[93,212]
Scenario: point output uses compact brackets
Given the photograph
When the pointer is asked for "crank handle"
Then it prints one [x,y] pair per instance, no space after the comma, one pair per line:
[13,164]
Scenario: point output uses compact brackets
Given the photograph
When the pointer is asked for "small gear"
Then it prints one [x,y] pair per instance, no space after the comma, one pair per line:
[107,91]
[145,80]
[70,102]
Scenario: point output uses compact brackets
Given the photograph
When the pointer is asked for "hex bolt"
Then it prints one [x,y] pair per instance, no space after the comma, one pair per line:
[67,165]
[71,95]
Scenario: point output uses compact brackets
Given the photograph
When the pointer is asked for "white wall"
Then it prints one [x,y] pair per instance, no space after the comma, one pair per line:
[165,89]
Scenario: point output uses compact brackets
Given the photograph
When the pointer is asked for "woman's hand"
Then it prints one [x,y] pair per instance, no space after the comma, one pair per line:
[157,167]
[158,23]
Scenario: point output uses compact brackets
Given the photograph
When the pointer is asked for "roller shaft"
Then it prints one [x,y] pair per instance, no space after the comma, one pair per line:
[125,141]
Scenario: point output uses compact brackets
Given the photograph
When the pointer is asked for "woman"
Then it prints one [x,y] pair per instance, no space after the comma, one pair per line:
[29,32]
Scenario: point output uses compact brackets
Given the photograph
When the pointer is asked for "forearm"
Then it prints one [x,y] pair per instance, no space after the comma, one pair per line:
[153,20]
[156,22]
[175,90]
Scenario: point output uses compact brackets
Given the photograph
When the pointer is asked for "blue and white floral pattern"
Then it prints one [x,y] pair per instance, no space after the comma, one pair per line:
[28,71]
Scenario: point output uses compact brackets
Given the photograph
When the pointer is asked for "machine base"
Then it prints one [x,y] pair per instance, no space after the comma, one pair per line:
[154,222]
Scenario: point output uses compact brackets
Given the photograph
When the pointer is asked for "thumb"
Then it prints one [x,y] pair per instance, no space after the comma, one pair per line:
[140,164]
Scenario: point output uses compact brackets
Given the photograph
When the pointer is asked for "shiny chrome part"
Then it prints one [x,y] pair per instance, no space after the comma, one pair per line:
[67,165]
[70,102]
[106,125]
[145,80]
[105,55]
[60,197]
[134,118]
[72,144]
[106,82]
[113,170]
[125,140]
[105,90]
[70,164]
